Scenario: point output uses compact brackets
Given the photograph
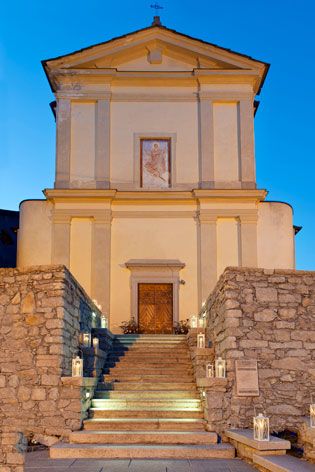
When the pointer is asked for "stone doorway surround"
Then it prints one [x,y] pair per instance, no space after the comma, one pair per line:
[155,271]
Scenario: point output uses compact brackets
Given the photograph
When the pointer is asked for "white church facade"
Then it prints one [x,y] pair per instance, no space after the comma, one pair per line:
[155,187]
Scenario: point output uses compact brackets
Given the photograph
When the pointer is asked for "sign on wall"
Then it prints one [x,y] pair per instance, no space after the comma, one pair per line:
[247,378]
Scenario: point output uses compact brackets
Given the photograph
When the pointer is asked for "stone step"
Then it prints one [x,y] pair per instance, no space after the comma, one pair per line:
[146,386]
[142,395]
[282,463]
[125,377]
[149,336]
[140,404]
[149,348]
[144,424]
[137,370]
[147,413]
[150,340]
[149,360]
[144,437]
[141,451]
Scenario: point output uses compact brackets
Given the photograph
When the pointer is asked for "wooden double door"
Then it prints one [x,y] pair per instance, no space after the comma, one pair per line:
[155,308]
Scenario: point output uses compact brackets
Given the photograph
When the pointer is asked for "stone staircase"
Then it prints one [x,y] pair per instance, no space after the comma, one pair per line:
[146,406]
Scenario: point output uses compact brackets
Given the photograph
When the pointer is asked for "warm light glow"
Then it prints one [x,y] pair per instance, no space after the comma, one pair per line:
[220,370]
[103,321]
[261,428]
[86,339]
[77,367]
[96,343]
[201,322]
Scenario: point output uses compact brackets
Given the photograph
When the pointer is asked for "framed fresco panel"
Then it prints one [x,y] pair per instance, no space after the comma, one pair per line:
[155,162]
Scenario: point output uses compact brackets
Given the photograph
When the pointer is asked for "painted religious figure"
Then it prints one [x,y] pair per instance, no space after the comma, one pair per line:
[155,163]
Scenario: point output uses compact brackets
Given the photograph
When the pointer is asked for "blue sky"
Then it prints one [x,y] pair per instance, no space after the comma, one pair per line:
[277,31]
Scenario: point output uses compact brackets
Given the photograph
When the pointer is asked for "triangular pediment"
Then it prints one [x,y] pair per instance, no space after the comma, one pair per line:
[156,48]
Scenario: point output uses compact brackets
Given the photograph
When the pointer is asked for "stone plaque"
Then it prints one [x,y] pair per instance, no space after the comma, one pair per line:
[247,378]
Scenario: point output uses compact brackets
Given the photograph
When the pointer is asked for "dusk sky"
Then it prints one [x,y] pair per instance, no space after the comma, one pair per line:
[280,32]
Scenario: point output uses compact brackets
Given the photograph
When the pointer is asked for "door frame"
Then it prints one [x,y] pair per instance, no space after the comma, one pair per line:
[154,272]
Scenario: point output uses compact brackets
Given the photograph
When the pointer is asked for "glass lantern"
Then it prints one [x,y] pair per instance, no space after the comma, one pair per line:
[103,321]
[95,343]
[220,368]
[193,321]
[77,367]
[86,339]
[312,415]
[209,370]
[201,322]
[201,341]
[261,428]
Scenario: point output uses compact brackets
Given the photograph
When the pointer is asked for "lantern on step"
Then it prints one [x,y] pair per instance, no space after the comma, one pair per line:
[201,322]
[193,321]
[261,428]
[103,321]
[209,370]
[201,341]
[220,368]
[77,367]
[95,343]
[312,415]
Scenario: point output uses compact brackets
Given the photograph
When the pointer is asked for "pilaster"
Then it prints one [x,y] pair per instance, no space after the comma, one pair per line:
[63,144]
[61,239]
[247,167]
[101,250]
[207,255]
[102,143]
[248,240]
[206,143]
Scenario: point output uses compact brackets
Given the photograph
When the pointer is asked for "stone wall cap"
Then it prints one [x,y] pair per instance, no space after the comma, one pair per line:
[80,381]
[211,382]
[245,436]
[283,463]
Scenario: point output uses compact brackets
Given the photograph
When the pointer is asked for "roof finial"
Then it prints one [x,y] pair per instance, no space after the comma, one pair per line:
[156,18]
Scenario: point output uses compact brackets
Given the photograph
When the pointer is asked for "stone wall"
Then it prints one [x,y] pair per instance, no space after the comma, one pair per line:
[268,316]
[41,311]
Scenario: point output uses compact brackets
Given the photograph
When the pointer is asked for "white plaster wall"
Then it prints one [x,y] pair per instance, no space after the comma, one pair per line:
[226,142]
[275,236]
[128,118]
[81,251]
[149,238]
[228,243]
[34,235]
[82,156]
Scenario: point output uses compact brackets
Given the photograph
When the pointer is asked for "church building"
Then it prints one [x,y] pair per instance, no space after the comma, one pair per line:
[155,186]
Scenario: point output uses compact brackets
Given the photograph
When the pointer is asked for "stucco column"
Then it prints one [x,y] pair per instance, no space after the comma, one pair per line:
[248,176]
[207,255]
[248,241]
[206,143]
[101,250]
[61,240]
[102,141]
[63,143]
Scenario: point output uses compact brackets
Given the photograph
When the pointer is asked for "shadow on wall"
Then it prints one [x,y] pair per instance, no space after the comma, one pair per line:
[9,224]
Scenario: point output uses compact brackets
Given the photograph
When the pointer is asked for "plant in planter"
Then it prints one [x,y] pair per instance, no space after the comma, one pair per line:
[130,326]
[181,327]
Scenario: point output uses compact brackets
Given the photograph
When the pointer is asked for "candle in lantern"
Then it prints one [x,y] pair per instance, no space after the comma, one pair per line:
[201,342]
[77,367]
[220,370]
[103,321]
[96,343]
[86,339]
[261,428]
[209,370]
[193,321]
[201,322]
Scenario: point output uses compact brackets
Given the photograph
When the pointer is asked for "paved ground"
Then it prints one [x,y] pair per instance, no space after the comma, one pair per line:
[39,461]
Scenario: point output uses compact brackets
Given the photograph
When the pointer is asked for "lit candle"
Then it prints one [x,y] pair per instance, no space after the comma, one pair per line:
[77,367]
[220,368]
[261,428]
[103,321]
[201,322]
[86,339]
[96,343]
